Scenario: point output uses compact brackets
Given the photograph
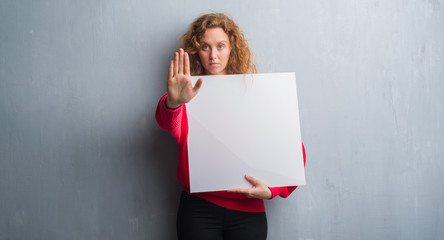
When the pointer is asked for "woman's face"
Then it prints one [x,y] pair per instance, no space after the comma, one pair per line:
[214,51]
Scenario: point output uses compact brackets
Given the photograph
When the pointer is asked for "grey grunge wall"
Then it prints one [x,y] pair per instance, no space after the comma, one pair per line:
[81,156]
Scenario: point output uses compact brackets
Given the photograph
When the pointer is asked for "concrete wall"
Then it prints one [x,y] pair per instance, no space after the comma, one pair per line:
[81,156]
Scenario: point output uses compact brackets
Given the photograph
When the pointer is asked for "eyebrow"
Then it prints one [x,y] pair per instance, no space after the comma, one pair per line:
[223,41]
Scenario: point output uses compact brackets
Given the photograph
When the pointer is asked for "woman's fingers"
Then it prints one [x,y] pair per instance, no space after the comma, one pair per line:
[186,70]
[239,190]
[258,190]
[171,71]
[176,63]
[181,61]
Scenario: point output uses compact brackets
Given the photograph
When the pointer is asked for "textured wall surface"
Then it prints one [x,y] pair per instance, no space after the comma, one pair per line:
[81,156]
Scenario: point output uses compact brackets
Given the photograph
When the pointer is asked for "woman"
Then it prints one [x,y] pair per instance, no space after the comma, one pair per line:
[213,45]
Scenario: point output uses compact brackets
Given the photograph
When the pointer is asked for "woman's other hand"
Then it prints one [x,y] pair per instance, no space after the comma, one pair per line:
[258,190]
[179,85]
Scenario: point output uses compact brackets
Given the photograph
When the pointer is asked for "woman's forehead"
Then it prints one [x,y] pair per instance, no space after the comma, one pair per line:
[214,35]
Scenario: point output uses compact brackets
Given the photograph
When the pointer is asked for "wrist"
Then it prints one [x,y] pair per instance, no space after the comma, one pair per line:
[170,104]
[271,194]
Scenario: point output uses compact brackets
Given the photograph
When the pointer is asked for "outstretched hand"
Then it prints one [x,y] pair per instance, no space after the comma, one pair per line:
[179,85]
[258,190]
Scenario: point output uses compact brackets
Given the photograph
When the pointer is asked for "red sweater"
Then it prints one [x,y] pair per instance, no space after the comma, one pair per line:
[175,121]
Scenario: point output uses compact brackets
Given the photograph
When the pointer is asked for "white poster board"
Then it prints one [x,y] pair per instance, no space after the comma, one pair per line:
[245,124]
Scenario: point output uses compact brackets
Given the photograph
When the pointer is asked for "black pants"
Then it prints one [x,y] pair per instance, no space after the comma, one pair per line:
[200,219]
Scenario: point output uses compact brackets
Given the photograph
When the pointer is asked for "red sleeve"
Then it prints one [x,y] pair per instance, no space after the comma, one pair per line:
[285,191]
[172,120]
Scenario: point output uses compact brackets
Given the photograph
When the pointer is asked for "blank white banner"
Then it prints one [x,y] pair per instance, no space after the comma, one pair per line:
[245,124]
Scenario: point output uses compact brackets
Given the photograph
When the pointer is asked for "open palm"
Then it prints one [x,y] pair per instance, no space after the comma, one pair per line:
[179,85]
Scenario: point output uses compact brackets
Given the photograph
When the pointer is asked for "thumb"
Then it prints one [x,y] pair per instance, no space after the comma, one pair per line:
[252,180]
[197,85]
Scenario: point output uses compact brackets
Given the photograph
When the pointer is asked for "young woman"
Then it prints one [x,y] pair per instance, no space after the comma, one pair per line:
[213,45]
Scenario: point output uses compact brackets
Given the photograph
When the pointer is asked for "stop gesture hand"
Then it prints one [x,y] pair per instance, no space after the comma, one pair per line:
[179,85]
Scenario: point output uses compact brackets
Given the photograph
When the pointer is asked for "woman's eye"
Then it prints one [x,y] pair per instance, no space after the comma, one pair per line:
[221,46]
[205,47]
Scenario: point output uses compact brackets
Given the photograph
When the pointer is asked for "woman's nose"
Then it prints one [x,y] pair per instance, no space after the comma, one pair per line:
[213,54]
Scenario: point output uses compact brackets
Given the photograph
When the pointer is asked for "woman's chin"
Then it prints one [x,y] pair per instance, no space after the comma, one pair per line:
[215,72]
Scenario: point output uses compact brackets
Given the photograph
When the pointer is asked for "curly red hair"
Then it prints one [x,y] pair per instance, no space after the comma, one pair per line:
[241,59]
